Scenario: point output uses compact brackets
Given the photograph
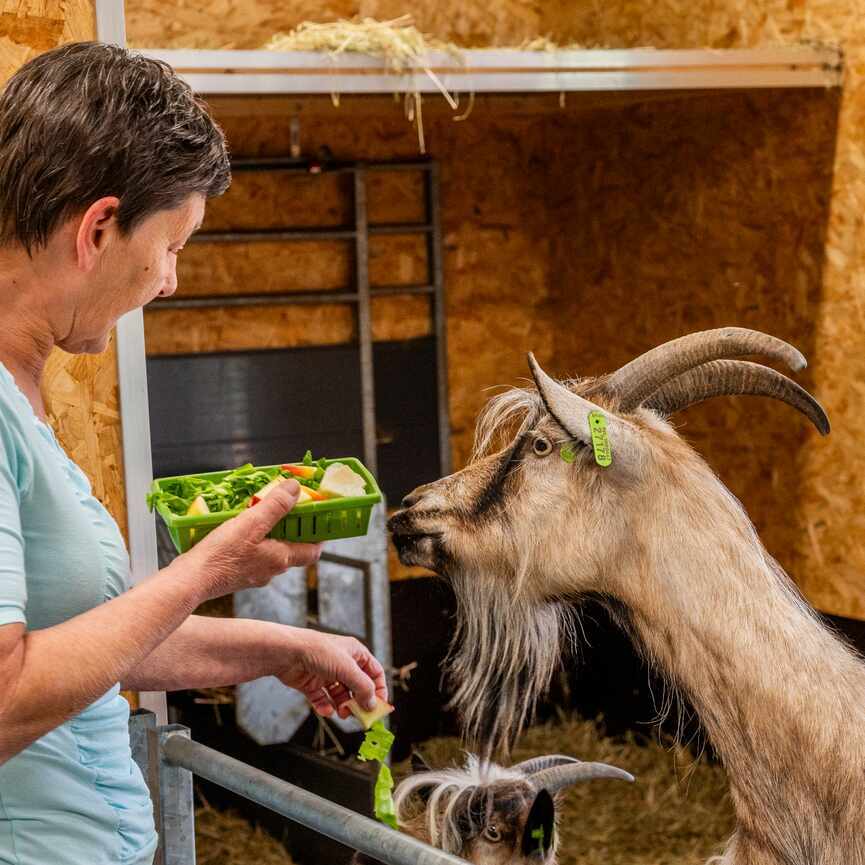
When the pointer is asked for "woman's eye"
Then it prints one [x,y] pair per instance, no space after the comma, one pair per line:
[541,446]
[491,833]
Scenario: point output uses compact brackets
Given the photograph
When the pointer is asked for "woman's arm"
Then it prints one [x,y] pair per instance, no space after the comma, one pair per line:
[207,652]
[49,675]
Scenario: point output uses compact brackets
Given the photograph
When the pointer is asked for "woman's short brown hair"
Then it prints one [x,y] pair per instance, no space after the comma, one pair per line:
[89,120]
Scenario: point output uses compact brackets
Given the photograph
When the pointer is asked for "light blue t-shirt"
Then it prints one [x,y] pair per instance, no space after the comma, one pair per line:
[75,796]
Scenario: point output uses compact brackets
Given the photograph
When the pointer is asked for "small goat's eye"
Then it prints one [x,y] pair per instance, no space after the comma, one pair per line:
[491,833]
[542,447]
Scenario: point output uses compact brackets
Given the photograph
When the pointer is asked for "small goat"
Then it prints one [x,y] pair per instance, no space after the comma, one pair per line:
[523,532]
[490,815]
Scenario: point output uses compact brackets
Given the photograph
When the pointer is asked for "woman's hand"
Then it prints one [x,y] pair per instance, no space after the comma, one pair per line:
[330,669]
[239,555]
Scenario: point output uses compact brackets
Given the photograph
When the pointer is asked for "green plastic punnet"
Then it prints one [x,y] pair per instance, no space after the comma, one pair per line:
[310,522]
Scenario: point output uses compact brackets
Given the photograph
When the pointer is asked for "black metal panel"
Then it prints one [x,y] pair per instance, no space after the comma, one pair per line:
[216,411]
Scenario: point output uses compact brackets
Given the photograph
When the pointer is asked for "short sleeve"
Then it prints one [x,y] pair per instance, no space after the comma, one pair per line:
[13,585]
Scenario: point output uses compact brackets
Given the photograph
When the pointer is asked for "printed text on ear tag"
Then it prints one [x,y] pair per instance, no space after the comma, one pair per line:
[600,439]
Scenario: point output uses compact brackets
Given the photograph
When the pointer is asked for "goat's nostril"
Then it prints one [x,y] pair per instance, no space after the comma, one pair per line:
[411,499]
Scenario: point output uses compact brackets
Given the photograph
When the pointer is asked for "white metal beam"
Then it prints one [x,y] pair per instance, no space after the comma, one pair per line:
[506,71]
[134,410]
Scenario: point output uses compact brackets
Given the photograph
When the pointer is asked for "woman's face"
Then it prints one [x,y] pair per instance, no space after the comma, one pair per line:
[135,269]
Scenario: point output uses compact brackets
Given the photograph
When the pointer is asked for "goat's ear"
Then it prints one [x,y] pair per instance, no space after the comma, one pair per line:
[418,767]
[579,417]
[418,764]
[540,826]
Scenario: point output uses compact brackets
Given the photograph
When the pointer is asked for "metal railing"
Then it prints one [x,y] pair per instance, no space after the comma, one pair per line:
[168,758]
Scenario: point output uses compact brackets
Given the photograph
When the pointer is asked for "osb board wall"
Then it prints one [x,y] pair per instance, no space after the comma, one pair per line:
[682,219]
[586,237]
[273,200]
[80,391]
[83,408]
[495,227]
[829,516]
[31,27]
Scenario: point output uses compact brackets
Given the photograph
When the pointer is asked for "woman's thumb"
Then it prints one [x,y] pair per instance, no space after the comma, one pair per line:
[274,506]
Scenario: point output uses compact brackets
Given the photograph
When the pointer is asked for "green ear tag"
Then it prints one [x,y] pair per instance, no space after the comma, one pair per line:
[567,453]
[600,439]
[538,835]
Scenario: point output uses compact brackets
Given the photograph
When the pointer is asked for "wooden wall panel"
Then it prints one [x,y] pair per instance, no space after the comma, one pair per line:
[724,223]
[824,504]
[31,28]
[80,391]
[496,236]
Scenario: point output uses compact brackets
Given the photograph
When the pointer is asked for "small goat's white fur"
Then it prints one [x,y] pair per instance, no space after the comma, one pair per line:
[441,814]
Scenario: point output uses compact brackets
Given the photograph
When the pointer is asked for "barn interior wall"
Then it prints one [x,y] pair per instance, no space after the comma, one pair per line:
[81,392]
[816,532]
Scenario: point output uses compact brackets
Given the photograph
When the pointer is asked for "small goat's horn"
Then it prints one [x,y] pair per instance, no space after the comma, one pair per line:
[557,778]
[636,381]
[529,767]
[731,378]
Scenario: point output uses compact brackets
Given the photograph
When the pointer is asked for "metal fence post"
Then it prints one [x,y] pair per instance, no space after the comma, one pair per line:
[177,814]
[144,745]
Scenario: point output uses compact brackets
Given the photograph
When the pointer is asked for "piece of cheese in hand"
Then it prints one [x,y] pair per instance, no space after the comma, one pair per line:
[368,718]
[340,480]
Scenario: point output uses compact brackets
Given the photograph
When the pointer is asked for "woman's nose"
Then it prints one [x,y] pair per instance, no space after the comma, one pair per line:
[170,286]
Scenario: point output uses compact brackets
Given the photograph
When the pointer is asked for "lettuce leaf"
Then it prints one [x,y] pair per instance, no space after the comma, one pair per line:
[376,746]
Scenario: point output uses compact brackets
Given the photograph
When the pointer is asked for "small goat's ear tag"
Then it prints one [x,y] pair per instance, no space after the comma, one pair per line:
[567,453]
[600,439]
[540,826]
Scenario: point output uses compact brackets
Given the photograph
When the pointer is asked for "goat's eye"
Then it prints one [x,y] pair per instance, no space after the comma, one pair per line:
[491,833]
[542,447]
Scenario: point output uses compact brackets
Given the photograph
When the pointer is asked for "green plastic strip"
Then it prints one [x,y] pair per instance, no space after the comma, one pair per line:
[600,439]
[538,835]
[567,453]
[376,746]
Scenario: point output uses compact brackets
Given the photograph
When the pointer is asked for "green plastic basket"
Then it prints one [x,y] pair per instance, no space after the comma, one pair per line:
[310,522]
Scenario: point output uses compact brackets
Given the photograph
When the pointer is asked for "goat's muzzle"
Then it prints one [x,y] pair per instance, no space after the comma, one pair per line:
[415,541]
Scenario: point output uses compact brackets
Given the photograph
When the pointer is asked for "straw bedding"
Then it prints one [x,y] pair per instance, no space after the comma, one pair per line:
[678,812]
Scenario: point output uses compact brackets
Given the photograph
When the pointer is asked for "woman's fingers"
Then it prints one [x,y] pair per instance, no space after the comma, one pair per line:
[321,702]
[338,694]
[371,666]
[353,678]
[285,556]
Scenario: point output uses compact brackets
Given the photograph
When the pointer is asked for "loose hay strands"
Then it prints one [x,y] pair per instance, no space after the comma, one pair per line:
[398,42]
[677,813]
[226,838]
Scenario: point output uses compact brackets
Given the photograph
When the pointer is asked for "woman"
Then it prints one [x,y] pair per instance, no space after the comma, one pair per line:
[106,160]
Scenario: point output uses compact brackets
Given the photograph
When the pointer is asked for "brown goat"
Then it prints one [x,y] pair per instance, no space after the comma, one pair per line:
[489,814]
[524,532]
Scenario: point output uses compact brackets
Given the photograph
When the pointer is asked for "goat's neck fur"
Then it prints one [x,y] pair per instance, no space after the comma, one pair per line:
[782,699]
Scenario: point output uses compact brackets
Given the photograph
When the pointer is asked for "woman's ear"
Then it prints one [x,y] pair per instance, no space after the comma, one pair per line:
[96,228]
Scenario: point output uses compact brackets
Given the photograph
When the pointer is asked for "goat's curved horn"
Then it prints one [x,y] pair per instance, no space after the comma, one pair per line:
[731,378]
[571,413]
[636,381]
[559,777]
[529,767]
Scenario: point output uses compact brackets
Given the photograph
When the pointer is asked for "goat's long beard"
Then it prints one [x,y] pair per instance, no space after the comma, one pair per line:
[501,660]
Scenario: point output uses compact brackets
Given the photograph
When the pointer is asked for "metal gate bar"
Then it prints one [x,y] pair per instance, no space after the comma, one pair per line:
[178,758]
